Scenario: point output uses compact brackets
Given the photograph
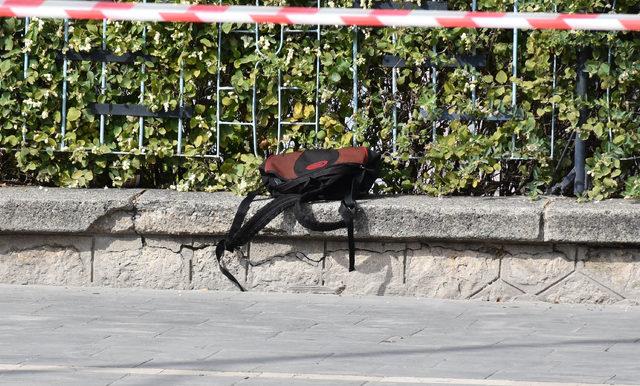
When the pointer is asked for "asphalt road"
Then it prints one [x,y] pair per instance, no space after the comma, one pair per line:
[99,336]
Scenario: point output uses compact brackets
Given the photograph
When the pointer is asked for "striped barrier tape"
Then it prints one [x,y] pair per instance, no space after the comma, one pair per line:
[163,12]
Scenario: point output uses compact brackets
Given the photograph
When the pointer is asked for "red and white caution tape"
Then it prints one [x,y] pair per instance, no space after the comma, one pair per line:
[163,12]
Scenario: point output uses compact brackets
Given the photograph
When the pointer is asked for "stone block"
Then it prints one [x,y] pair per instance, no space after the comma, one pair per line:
[615,268]
[185,213]
[533,268]
[498,291]
[206,273]
[452,218]
[131,261]
[57,210]
[578,288]
[609,221]
[286,265]
[450,271]
[379,268]
[52,260]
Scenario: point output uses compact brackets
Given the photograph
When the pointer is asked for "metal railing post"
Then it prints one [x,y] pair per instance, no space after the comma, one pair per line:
[608,92]
[514,73]
[103,78]
[579,184]
[25,72]
[142,91]
[63,126]
[181,107]
[354,70]
[394,93]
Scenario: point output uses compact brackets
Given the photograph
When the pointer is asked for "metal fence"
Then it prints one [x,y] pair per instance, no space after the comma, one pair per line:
[393,64]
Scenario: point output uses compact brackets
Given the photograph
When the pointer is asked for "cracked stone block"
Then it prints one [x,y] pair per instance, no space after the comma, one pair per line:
[616,268]
[50,260]
[578,288]
[206,273]
[286,265]
[498,291]
[450,271]
[532,268]
[172,244]
[379,268]
[127,261]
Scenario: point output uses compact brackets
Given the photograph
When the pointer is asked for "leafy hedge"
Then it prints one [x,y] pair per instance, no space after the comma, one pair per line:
[477,161]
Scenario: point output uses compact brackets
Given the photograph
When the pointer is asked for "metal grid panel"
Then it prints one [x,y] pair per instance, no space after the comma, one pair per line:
[281,87]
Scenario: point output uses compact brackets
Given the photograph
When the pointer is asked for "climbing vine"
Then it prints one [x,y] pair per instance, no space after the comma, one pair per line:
[432,156]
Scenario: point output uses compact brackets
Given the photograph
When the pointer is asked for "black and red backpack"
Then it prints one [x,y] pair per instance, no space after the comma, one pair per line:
[301,177]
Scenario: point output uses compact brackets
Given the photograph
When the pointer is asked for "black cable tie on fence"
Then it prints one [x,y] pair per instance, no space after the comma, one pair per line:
[104,56]
[130,110]
[447,117]
[475,61]
[393,61]
[461,60]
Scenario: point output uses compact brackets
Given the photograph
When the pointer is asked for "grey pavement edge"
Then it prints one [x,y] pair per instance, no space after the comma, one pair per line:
[101,336]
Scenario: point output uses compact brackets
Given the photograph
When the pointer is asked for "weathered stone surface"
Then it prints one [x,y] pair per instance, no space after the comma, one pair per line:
[54,210]
[578,288]
[498,291]
[418,218]
[411,217]
[618,269]
[116,222]
[205,271]
[185,213]
[53,260]
[379,268]
[129,262]
[533,268]
[429,218]
[610,221]
[459,247]
[286,265]
[451,271]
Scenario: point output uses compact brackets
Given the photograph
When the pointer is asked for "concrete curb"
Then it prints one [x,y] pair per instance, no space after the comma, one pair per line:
[52,210]
[25,210]
[605,222]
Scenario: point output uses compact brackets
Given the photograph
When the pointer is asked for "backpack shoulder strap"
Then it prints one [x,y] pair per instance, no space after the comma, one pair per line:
[307,220]
[260,220]
[240,234]
[348,209]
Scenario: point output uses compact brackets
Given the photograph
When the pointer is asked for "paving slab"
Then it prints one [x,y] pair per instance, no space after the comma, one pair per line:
[89,336]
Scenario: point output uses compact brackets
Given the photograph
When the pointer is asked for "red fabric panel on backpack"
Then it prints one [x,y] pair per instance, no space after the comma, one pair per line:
[282,165]
[355,155]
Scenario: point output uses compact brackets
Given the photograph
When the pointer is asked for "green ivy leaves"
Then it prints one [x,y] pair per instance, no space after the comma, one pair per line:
[431,155]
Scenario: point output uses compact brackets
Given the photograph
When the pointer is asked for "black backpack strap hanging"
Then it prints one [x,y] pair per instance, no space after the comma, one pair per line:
[240,234]
[347,210]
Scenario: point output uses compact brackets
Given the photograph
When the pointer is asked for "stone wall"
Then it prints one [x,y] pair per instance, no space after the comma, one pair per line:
[495,249]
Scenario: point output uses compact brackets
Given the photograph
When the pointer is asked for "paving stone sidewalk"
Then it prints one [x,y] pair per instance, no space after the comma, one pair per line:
[99,336]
